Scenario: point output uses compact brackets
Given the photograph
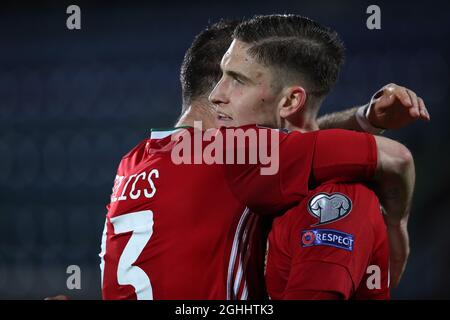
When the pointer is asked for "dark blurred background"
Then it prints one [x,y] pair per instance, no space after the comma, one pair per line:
[73,102]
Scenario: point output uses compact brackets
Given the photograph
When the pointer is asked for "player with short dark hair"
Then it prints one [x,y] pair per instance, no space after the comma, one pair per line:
[295,48]
[292,62]
[186,247]
[200,69]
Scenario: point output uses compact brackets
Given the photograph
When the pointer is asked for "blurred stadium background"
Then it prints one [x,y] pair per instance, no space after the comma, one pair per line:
[73,102]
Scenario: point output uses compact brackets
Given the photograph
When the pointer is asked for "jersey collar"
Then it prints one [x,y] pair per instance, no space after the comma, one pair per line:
[160,133]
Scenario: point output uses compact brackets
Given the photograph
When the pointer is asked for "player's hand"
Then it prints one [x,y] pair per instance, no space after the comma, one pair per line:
[395,107]
[58,297]
[399,250]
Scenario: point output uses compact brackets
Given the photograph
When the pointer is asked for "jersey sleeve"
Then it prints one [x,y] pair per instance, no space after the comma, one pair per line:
[298,160]
[344,156]
[279,181]
[331,253]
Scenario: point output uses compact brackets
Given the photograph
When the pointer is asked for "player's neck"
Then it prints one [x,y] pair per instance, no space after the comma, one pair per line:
[303,125]
[198,112]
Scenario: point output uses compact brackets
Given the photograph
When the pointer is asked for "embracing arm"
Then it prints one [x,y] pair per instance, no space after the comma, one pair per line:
[394,185]
[391,107]
[341,119]
[394,179]
[342,156]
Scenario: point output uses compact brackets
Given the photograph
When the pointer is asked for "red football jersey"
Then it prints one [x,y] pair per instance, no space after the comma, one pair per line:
[333,245]
[185,231]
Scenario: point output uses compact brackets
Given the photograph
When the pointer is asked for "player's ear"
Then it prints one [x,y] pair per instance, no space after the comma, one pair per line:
[292,101]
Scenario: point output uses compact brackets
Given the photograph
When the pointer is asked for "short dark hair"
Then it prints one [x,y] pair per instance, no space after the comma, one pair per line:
[297,45]
[200,70]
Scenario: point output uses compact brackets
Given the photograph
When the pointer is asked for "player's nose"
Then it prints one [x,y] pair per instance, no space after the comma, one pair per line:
[218,94]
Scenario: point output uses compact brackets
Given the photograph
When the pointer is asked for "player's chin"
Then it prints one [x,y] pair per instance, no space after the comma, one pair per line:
[226,123]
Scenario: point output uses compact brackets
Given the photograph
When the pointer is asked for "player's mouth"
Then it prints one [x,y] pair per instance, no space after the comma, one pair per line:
[223,116]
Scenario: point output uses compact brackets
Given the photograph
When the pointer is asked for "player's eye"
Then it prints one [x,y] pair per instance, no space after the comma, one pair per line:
[236,80]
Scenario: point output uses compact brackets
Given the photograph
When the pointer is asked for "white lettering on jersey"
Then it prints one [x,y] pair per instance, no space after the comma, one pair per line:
[136,190]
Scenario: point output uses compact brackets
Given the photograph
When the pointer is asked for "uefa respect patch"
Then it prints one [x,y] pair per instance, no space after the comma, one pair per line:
[327,237]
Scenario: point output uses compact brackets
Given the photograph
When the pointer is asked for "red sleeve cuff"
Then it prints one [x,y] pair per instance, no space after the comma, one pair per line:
[319,276]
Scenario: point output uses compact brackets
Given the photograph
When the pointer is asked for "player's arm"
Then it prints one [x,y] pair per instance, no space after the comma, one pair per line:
[394,185]
[314,158]
[318,280]
[394,181]
[325,270]
[344,156]
[334,155]
[391,107]
[330,261]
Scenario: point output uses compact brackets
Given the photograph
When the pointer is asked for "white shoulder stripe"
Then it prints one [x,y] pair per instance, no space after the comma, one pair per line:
[234,251]
[163,134]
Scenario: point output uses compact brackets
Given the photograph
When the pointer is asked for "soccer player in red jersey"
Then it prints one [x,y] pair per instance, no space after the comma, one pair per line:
[307,258]
[176,231]
[333,245]
[200,72]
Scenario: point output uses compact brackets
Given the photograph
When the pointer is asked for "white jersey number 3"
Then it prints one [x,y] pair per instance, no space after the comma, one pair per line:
[141,224]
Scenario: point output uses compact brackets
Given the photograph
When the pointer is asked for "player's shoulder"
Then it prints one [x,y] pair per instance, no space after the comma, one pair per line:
[356,201]
[331,211]
[350,189]
[354,193]
[131,158]
[331,202]
[138,149]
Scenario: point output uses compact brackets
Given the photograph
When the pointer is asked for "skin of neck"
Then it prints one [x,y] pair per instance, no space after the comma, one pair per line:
[303,122]
[198,110]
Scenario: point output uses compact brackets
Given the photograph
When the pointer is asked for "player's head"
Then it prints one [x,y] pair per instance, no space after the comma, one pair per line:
[277,67]
[200,70]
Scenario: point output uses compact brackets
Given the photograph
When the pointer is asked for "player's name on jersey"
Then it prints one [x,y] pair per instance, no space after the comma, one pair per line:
[131,189]
[228,146]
